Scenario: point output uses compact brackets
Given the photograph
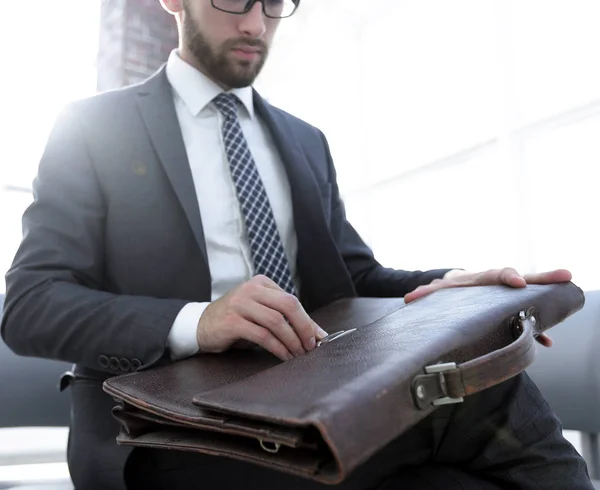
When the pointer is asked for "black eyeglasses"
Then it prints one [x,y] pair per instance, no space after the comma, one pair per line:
[274,9]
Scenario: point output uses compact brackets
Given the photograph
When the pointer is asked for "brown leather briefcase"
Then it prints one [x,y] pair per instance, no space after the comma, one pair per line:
[384,367]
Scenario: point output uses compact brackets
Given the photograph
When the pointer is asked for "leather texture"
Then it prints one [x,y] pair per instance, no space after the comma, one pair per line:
[323,414]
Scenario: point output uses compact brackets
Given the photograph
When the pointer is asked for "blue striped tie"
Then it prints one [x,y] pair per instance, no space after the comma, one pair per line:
[267,249]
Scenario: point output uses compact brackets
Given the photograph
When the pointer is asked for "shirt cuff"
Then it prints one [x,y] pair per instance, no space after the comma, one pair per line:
[182,341]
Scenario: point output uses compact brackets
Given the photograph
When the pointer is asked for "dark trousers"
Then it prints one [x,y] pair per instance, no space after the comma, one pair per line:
[506,437]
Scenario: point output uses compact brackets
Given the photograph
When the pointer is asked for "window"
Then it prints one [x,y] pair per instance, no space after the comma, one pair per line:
[465,133]
[49,63]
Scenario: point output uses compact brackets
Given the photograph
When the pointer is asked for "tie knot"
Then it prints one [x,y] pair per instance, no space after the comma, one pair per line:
[227,104]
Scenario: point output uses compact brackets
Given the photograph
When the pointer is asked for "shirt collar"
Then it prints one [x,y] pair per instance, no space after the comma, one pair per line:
[196,90]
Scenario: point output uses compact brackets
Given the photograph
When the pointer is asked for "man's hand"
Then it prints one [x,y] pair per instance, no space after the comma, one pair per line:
[506,276]
[261,313]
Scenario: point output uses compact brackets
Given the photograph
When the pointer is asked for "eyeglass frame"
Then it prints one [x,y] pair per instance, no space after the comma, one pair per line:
[250,5]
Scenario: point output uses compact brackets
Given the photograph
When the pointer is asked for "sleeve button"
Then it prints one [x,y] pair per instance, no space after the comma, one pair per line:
[114,363]
[125,365]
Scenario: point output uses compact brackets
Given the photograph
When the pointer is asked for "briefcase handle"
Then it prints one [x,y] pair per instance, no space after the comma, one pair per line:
[450,383]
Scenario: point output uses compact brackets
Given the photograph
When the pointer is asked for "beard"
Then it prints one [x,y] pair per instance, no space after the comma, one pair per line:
[217,62]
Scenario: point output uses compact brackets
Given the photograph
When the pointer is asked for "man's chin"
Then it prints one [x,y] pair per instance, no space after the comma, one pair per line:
[239,76]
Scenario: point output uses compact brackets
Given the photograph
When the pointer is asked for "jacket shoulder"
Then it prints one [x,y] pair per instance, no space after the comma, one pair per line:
[118,98]
[107,100]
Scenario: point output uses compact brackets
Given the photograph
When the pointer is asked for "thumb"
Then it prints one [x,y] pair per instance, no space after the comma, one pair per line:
[320,334]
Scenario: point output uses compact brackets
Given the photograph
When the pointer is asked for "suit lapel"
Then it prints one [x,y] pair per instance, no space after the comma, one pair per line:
[324,277]
[155,102]
[323,274]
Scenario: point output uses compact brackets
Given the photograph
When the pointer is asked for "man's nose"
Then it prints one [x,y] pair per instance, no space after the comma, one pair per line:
[253,21]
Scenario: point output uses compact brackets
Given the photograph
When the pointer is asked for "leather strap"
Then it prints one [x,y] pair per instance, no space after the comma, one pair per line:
[450,383]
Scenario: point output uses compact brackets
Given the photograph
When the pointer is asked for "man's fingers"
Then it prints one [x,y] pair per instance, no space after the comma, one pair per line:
[319,332]
[545,340]
[289,306]
[274,321]
[551,277]
[267,293]
[453,282]
[266,282]
[258,312]
[422,291]
[264,338]
[296,321]
[510,277]
[506,276]
[270,284]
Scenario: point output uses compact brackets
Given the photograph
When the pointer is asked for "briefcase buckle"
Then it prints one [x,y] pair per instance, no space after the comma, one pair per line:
[430,388]
[439,369]
[270,447]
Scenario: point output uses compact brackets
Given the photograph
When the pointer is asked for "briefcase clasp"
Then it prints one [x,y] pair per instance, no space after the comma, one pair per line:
[430,388]
[439,369]
[334,336]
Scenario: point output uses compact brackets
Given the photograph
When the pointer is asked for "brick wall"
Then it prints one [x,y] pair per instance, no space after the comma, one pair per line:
[136,37]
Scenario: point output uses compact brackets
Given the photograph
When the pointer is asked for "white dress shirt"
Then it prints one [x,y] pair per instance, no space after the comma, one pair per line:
[227,245]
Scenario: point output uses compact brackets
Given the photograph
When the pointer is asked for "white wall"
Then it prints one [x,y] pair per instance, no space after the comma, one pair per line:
[465,133]
[48,57]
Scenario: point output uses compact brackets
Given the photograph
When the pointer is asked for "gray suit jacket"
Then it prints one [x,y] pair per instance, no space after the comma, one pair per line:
[113,248]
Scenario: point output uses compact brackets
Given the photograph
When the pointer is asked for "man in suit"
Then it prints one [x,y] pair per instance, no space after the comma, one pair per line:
[186,216]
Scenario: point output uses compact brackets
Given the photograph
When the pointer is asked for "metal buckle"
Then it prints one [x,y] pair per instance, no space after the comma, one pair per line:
[273,450]
[517,324]
[440,369]
[334,336]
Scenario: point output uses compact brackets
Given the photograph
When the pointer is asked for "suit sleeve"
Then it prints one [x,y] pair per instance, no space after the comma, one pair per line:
[370,278]
[55,305]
